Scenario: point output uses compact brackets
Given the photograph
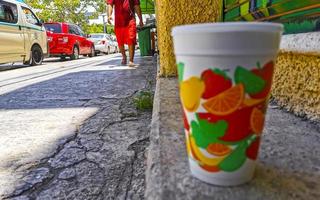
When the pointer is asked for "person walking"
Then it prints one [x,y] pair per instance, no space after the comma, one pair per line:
[125,25]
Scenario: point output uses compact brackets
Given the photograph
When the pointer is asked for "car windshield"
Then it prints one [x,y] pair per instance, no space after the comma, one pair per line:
[56,28]
[97,36]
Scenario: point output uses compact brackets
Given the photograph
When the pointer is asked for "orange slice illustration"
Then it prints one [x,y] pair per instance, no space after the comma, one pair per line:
[247,102]
[226,102]
[218,149]
[210,168]
[257,121]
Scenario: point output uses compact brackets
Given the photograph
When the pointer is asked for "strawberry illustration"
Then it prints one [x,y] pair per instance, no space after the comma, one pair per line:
[252,150]
[266,73]
[216,81]
[185,121]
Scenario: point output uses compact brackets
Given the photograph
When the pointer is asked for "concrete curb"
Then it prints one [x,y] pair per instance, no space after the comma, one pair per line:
[153,165]
[302,43]
[288,166]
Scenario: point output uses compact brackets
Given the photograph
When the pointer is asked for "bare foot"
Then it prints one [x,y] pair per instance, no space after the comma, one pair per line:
[131,64]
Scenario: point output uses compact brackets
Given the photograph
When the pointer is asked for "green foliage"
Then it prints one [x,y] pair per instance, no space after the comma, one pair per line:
[144,100]
[72,11]
[98,28]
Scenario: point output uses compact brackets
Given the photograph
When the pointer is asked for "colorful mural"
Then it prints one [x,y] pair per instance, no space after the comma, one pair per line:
[296,15]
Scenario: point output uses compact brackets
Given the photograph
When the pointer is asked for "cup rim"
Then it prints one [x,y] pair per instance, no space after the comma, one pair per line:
[227,27]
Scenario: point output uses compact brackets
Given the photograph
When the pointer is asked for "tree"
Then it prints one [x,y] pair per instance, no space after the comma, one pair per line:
[72,11]
[98,28]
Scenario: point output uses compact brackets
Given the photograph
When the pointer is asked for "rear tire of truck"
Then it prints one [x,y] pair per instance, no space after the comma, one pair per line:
[75,54]
[36,56]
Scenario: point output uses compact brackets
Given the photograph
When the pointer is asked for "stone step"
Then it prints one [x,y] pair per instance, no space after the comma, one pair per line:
[288,166]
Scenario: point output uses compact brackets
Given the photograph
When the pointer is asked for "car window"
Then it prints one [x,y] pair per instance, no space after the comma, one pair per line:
[2,14]
[30,17]
[8,12]
[55,28]
[81,33]
[73,30]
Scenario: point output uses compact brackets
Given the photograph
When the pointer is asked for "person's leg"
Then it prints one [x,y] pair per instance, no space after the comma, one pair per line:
[123,53]
[132,39]
[120,34]
[131,53]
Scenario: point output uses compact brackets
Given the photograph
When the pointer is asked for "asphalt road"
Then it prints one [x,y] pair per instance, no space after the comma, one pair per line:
[56,118]
[16,75]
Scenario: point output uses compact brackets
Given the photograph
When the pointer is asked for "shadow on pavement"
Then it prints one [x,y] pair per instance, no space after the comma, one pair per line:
[5,67]
[35,120]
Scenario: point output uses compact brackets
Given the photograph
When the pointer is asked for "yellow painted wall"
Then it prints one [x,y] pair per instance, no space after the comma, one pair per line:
[296,83]
[176,12]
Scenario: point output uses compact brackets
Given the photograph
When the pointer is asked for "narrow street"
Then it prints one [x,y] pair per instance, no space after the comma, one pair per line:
[70,130]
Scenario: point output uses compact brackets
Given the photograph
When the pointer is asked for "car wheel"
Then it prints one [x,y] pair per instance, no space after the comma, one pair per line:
[75,54]
[62,58]
[93,52]
[37,56]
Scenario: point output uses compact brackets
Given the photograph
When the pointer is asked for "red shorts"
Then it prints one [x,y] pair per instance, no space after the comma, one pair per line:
[127,35]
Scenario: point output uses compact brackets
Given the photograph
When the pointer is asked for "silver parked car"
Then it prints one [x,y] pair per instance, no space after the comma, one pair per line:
[103,43]
[115,43]
[114,39]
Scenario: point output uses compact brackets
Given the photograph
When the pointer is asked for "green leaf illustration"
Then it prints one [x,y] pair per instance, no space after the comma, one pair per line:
[236,159]
[180,66]
[222,73]
[252,83]
[206,133]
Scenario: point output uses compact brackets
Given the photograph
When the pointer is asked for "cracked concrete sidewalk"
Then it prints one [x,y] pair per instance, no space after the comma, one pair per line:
[104,158]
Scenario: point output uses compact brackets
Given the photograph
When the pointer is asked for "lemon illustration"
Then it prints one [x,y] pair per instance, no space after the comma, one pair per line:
[191,91]
[204,159]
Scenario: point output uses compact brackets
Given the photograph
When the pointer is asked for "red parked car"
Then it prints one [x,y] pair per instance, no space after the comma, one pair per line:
[68,40]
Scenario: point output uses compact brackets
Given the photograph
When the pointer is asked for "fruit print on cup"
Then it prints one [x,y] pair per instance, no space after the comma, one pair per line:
[209,76]
[266,73]
[228,133]
[226,102]
[191,91]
